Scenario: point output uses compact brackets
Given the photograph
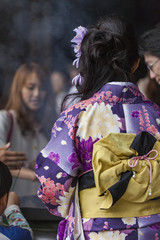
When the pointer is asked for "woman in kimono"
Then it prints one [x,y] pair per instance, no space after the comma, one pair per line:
[107,56]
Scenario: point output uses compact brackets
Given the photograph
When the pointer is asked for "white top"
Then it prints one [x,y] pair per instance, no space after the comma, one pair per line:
[29,144]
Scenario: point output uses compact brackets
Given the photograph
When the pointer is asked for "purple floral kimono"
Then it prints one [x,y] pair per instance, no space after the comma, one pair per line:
[118,108]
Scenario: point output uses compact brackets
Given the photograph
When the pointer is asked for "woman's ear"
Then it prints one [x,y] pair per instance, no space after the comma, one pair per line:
[135,66]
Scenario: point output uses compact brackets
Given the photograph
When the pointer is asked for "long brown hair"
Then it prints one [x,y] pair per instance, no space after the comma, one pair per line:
[15,101]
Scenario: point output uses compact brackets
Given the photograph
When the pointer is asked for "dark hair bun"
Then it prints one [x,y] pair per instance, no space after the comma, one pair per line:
[108,52]
[100,46]
[107,48]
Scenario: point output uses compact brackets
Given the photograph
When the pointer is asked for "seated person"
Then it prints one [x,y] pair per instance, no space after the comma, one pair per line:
[9,204]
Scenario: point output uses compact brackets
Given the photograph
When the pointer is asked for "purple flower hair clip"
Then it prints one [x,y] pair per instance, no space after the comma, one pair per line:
[78,80]
[80,33]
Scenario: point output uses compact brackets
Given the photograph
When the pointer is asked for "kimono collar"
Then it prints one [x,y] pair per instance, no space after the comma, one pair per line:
[124,90]
[121,83]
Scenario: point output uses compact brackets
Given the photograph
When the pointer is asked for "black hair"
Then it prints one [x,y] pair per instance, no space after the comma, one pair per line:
[5,179]
[108,53]
[149,42]
[141,71]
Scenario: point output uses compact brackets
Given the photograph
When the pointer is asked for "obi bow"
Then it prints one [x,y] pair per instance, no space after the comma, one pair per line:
[126,166]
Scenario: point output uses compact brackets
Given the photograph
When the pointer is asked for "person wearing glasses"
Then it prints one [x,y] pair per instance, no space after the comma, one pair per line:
[147,86]
[150,49]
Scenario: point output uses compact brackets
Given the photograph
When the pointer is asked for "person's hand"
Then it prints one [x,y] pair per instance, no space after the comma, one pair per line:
[13,199]
[13,159]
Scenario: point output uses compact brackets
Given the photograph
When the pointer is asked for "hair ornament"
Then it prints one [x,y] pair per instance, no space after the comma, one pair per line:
[77,80]
[80,33]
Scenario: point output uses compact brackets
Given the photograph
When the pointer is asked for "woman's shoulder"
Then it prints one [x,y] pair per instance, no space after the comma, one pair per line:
[6,114]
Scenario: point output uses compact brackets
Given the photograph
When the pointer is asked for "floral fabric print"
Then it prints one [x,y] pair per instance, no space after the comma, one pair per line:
[16,218]
[102,113]
[116,107]
[110,235]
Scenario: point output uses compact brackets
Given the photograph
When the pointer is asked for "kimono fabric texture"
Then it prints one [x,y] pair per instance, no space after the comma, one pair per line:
[117,107]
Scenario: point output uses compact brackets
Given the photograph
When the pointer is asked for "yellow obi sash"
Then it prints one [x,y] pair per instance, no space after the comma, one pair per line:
[113,157]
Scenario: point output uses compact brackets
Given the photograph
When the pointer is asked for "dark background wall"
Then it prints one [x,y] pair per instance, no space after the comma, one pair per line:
[41,30]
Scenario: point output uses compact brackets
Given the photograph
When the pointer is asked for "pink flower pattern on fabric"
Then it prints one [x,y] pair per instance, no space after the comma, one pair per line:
[51,190]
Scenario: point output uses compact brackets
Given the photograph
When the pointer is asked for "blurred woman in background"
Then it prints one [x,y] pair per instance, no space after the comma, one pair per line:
[21,123]
[58,85]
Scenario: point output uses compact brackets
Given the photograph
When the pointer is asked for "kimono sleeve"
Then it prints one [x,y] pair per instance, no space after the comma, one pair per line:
[58,165]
